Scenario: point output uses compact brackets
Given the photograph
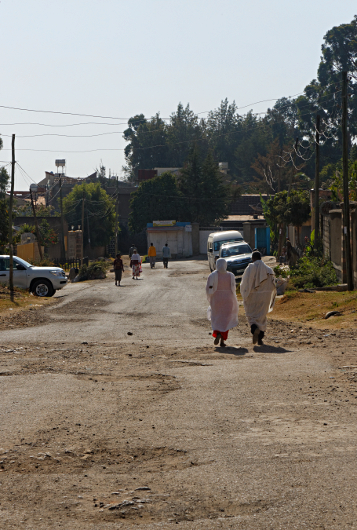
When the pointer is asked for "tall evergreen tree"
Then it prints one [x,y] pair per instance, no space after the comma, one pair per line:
[207,199]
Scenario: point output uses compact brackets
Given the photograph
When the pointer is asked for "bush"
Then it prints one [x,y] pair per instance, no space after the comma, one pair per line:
[281,272]
[94,271]
[312,272]
[44,262]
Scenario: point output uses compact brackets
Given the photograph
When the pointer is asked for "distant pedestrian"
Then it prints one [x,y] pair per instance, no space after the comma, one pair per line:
[131,250]
[152,255]
[258,290]
[72,274]
[222,298]
[118,269]
[166,254]
[135,264]
[291,254]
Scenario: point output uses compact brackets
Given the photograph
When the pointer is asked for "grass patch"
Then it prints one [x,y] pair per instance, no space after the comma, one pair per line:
[310,308]
[22,300]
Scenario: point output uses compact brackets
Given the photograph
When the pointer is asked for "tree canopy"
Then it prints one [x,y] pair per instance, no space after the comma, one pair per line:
[197,194]
[284,209]
[256,145]
[99,213]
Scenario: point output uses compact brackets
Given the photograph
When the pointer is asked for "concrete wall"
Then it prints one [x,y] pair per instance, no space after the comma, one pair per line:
[178,239]
[336,240]
[195,239]
[203,240]
[249,231]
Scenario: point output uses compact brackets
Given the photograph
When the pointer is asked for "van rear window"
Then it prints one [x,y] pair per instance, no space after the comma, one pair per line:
[217,244]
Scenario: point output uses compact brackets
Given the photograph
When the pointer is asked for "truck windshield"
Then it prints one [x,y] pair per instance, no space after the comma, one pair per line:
[22,261]
[217,244]
[235,251]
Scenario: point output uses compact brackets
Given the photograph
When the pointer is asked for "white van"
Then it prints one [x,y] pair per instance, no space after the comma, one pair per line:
[214,242]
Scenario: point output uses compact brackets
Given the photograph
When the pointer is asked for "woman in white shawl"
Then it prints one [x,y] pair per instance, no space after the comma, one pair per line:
[221,295]
[135,263]
[258,291]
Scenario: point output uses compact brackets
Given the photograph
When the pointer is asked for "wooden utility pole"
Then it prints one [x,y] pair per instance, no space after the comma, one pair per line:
[36,225]
[116,220]
[346,203]
[11,277]
[63,249]
[82,250]
[317,181]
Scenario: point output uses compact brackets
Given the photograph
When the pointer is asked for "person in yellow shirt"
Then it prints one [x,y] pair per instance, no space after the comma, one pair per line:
[152,255]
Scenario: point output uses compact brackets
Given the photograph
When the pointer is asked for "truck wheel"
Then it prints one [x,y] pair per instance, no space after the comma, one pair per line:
[42,288]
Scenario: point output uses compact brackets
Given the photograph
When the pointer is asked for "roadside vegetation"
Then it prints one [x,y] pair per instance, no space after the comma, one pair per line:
[97,270]
[311,308]
[309,272]
[23,299]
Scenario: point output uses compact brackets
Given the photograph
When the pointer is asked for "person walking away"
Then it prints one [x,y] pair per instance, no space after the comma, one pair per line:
[135,264]
[131,250]
[223,305]
[258,291]
[166,254]
[118,269]
[152,255]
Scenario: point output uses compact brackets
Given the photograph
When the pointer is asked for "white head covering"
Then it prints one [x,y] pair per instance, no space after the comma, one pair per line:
[221,265]
[135,256]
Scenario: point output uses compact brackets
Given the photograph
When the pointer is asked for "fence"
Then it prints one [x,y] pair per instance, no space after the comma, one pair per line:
[70,263]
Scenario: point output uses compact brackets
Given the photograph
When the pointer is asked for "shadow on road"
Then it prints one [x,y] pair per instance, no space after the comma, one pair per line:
[270,349]
[232,350]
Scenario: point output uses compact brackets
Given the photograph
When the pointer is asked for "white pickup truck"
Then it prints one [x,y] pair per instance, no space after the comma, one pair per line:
[41,281]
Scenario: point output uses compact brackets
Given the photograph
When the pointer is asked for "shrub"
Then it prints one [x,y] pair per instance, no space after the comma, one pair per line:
[94,271]
[44,262]
[312,272]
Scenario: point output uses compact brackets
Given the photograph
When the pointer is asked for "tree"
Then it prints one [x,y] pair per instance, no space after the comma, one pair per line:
[99,212]
[223,130]
[283,209]
[155,199]
[207,199]
[298,211]
[184,129]
[41,211]
[147,147]
[4,207]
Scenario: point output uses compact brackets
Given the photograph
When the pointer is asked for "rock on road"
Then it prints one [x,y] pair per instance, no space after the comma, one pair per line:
[161,429]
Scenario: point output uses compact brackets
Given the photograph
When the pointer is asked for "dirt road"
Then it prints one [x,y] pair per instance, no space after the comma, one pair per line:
[102,430]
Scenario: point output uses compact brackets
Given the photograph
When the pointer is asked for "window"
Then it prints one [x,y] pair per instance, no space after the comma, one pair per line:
[218,244]
[4,264]
[235,251]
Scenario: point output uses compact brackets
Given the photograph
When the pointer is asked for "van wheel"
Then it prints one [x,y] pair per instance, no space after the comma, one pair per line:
[42,288]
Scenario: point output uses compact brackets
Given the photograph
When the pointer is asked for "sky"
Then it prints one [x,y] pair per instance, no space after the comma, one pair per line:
[115,59]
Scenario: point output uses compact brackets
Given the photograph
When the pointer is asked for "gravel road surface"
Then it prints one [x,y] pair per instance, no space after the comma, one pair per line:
[104,430]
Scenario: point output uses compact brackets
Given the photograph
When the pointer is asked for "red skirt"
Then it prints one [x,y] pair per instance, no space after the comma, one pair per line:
[224,334]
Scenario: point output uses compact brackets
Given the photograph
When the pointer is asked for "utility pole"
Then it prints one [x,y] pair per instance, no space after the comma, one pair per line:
[82,251]
[317,181]
[36,225]
[11,278]
[116,219]
[346,203]
[63,249]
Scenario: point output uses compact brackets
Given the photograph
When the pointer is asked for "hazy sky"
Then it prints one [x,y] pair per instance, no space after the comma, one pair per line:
[119,58]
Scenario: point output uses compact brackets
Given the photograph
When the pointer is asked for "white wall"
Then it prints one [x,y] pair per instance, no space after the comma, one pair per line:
[179,241]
